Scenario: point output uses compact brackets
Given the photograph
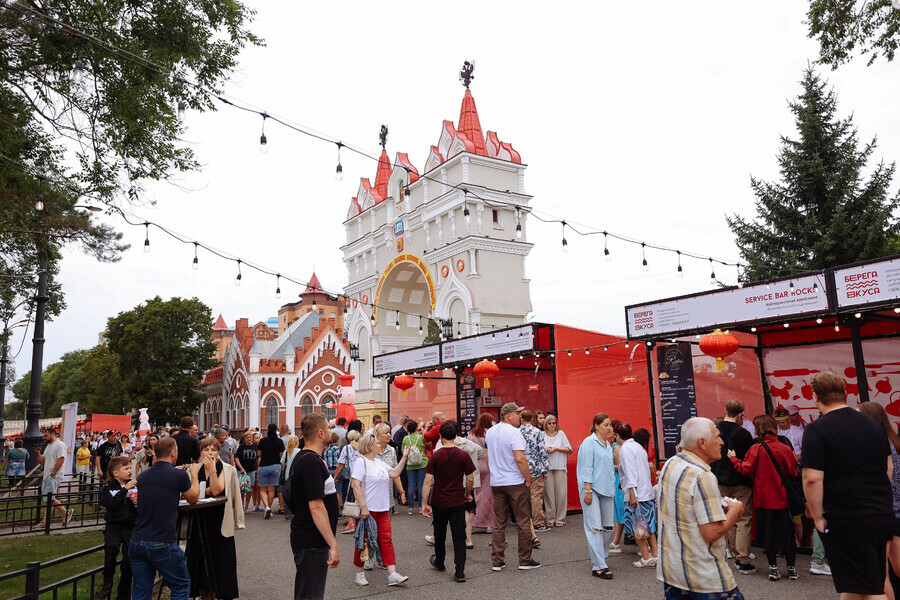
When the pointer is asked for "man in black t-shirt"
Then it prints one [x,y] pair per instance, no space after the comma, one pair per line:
[154,546]
[107,451]
[446,470]
[313,500]
[845,456]
[734,485]
[188,447]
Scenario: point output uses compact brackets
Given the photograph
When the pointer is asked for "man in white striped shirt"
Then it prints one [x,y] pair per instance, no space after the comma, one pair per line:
[692,522]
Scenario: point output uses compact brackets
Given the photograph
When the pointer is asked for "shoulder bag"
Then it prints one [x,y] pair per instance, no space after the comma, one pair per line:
[792,487]
[351,507]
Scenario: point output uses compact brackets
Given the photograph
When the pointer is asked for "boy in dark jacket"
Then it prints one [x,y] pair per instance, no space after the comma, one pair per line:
[118,497]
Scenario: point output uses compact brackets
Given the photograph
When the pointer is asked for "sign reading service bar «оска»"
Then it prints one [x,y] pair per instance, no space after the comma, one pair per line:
[866,284]
[414,359]
[750,303]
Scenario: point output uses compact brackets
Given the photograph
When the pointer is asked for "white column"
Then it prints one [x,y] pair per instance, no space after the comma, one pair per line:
[465,169]
[451,216]
[479,210]
[440,230]
[473,265]
[427,227]
[290,402]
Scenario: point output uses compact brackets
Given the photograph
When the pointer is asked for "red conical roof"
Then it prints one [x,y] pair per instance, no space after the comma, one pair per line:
[470,125]
[220,324]
[383,174]
[313,285]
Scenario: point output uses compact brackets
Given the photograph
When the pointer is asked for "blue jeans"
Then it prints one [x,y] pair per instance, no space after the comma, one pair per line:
[415,477]
[167,558]
[599,520]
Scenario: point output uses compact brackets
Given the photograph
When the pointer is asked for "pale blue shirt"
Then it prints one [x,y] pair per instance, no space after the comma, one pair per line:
[595,466]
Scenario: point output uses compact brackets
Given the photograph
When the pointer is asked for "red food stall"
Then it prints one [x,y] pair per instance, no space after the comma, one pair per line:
[554,368]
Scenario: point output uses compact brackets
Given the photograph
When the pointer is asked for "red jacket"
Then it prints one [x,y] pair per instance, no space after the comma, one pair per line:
[768,491]
[431,438]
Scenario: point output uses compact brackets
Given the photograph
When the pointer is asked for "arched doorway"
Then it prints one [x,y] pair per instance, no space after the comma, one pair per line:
[405,291]
[460,318]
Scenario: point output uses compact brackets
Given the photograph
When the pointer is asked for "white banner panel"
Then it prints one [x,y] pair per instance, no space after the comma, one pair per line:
[414,359]
[67,434]
[874,282]
[751,303]
[520,339]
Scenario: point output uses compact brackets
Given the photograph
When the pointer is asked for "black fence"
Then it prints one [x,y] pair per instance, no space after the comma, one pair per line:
[82,586]
[24,509]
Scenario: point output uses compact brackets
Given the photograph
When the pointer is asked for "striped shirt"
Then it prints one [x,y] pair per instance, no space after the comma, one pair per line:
[689,497]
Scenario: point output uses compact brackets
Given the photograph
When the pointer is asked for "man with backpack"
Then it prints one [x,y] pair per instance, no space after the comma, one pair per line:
[734,485]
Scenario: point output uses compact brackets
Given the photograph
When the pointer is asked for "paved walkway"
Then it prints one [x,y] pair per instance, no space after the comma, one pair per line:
[266,568]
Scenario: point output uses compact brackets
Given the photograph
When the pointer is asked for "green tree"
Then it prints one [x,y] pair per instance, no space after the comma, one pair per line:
[106,394]
[846,27]
[824,212]
[62,382]
[106,135]
[163,350]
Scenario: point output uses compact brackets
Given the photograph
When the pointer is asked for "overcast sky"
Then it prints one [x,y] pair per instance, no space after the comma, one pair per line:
[646,119]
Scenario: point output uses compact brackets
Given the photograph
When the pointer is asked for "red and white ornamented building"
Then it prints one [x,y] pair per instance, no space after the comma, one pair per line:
[271,377]
[447,243]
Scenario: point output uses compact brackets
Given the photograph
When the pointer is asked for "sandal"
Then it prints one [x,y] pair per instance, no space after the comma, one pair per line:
[560,524]
[648,562]
[603,574]
[535,543]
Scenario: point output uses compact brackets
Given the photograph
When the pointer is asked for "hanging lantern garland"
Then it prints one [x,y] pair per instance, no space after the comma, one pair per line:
[719,345]
[404,382]
[486,369]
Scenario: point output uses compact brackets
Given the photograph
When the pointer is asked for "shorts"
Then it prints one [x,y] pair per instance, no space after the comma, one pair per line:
[856,548]
[269,475]
[50,485]
[670,592]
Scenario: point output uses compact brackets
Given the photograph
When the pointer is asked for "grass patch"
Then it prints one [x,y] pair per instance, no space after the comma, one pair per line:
[16,553]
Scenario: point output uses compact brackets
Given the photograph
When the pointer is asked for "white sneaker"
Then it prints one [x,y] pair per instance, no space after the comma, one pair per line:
[369,564]
[396,578]
[429,539]
[819,568]
[728,555]
[361,579]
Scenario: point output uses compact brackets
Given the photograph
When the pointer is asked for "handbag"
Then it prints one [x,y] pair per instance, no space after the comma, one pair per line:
[351,508]
[244,483]
[792,487]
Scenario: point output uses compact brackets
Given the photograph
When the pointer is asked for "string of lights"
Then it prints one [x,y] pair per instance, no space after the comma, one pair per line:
[241,105]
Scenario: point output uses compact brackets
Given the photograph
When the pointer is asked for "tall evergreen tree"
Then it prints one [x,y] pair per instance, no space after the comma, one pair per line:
[824,212]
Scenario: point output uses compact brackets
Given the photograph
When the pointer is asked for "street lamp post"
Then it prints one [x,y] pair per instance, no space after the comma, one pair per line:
[32,436]
[4,359]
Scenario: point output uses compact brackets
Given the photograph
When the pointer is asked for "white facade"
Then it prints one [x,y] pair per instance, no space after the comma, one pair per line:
[472,272]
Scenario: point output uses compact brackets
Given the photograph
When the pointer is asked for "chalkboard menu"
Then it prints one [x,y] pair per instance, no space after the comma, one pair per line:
[677,398]
[468,395]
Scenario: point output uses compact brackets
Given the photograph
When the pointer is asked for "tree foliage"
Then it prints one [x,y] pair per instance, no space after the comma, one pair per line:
[163,348]
[847,27]
[824,212]
[107,135]
[61,383]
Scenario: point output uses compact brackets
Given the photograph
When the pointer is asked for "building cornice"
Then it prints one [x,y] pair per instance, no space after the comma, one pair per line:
[477,243]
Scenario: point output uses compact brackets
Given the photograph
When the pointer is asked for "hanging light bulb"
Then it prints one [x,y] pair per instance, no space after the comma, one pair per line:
[278,286]
[740,279]
[570,353]
[78,72]
[792,284]
[407,192]
[195,262]
[815,287]
[518,225]
[627,345]
[39,203]
[237,280]
[712,273]
[606,255]
[466,214]
[819,321]
[837,327]
[753,329]
[373,316]
[588,351]
[339,171]
[146,237]
[398,320]
[606,348]
[421,329]
[565,244]
[181,109]
[680,271]
[645,266]
[263,142]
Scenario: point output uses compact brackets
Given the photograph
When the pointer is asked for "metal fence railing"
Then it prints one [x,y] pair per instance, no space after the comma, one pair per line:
[25,509]
[81,586]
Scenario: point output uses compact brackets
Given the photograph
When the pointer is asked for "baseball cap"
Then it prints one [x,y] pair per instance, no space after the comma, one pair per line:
[793,409]
[224,428]
[510,407]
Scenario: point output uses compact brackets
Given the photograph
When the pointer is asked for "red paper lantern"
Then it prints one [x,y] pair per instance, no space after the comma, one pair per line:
[719,345]
[486,369]
[404,382]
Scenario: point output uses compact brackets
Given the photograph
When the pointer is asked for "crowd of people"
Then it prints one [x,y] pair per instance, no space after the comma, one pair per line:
[688,521]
